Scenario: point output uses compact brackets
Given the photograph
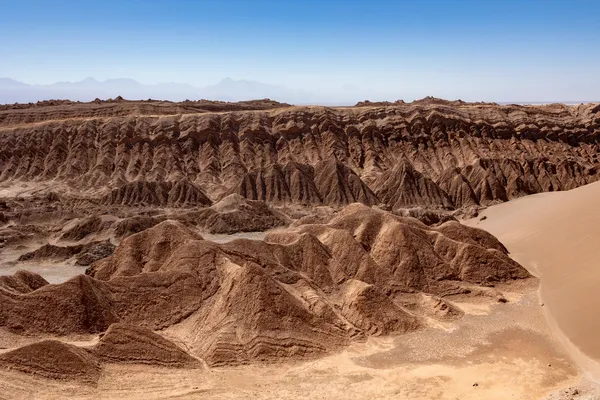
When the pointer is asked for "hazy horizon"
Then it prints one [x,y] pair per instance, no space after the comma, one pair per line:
[322,52]
[227,89]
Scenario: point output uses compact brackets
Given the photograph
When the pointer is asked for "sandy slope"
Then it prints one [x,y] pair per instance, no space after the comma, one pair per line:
[558,235]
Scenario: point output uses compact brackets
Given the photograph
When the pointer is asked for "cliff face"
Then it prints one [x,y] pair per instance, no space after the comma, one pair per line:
[434,153]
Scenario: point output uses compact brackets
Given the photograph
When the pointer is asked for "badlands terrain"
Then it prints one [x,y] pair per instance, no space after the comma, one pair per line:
[233,250]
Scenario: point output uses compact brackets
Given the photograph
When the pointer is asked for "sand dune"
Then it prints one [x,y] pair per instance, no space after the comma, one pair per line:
[557,236]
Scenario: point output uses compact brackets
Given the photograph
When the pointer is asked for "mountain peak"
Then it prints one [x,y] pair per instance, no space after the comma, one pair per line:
[12,82]
[122,81]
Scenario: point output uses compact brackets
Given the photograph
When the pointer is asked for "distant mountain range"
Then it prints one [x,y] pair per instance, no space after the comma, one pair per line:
[12,91]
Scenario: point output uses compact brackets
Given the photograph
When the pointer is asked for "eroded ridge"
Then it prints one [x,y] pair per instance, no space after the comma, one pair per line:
[430,152]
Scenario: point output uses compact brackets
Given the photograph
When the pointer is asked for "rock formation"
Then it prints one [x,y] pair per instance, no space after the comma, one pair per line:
[429,153]
[235,214]
[301,292]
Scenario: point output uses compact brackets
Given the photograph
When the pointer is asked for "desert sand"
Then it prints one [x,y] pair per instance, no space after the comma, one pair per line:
[557,236]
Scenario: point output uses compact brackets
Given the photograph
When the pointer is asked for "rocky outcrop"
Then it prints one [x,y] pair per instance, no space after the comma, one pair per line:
[86,254]
[235,214]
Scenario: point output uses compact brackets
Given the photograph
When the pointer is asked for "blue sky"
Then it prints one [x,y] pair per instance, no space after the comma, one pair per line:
[497,50]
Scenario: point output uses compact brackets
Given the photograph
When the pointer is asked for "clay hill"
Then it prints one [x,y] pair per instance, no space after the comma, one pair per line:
[431,152]
[121,344]
[168,297]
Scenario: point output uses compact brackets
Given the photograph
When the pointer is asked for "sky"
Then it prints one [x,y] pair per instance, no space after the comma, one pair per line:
[491,50]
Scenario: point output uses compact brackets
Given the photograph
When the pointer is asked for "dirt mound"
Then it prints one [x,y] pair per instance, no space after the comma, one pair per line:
[369,309]
[312,289]
[22,282]
[146,251]
[121,343]
[135,345]
[402,250]
[55,360]
[80,305]
[86,305]
[84,228]
[136,224]
[292,183]
[234,214]
[94,251]
[263,321]
[49,251]
[162,194]
[86,253]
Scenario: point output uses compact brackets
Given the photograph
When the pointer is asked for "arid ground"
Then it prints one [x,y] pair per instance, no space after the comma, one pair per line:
[215,250]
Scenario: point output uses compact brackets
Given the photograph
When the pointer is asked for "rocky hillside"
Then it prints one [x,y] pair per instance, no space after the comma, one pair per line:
[430,152]
[300,292]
